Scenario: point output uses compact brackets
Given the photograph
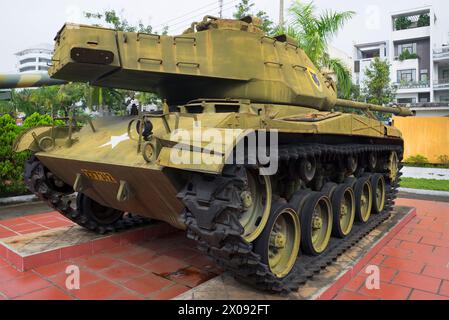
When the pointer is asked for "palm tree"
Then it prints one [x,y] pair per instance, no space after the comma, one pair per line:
[313,33]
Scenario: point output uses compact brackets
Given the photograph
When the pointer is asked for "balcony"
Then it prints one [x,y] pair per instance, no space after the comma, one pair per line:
[411,26]
[412,85]
[441,84]
[441,53]
[404,22]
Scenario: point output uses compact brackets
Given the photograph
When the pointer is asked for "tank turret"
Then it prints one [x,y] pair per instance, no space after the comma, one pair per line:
[215,58]
[27,80]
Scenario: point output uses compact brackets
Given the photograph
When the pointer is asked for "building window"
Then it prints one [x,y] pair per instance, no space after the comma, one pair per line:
[27,60]
[33,68]
[42,68]
[44,60]
[445,74]
[410,47]
[406,100]
[444,98]
[407,75]
[424,75]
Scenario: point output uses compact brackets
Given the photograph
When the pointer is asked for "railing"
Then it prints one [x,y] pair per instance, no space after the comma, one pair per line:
[441,53]
[441,83]
[412,85]
[411,21]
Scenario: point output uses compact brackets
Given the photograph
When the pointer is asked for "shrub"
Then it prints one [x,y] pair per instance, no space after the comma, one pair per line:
[12,163]
[418,159]
[444,159]
[402,23]
[424,20]
[406,55]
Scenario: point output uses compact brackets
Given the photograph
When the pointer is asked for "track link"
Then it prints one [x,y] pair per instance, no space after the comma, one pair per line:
[221,235]
[37,181]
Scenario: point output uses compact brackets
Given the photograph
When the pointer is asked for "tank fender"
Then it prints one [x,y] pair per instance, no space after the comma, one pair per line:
[207,155]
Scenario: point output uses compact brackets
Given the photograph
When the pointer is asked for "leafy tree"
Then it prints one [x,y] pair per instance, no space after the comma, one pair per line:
[112,19]
[313,33]
[246,7]
[377,88]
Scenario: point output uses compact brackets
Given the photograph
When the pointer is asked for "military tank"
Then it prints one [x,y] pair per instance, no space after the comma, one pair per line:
[283,178]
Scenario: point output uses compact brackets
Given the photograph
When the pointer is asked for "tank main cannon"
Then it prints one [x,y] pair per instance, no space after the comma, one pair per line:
[27,80]
[258,218]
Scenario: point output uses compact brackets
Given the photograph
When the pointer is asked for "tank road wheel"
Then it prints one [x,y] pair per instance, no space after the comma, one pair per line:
[256,200]
[393,166]
[379,193]
[363,199]
[316,220]
[96,214]
[343,204]
[279,243]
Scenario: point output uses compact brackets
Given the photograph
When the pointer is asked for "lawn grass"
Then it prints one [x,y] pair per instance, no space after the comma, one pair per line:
[425,184]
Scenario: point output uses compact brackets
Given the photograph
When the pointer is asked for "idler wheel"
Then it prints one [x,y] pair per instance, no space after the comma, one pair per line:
[279,243]
[100,214]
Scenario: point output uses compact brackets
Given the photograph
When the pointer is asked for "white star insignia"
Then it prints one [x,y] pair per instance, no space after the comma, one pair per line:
[116,140]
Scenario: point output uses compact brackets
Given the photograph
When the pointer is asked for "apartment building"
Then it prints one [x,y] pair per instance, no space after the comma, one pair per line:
[35,58]
[418,51]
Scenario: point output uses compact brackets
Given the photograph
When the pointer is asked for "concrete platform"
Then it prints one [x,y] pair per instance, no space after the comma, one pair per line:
[322,286]
[36,249]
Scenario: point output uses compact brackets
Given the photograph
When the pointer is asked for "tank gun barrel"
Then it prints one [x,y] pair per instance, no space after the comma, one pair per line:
[27,80]
[396,110]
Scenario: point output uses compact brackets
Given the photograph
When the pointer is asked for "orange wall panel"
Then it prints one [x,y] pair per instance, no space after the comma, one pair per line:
[427,136]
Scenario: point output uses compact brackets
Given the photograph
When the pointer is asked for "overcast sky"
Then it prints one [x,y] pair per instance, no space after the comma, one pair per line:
[25,23]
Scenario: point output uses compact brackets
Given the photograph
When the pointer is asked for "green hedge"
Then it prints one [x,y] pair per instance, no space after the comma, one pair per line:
[11,163]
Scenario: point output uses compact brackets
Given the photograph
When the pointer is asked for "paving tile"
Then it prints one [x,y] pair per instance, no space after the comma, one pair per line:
[377,260]
[416,247]
[355,283]
[191,276]
[403,264]
[126,296]
[348,295]
[437,272]
[444,290]
[422,295]
[387,292]
[416,281]
[147,284]
[6,233]
[100,290]
[165,265]
[170,293]
[98,263]
[51,293]
[23,285]
[181,253]
[408,237]
[53,269]
[123,272]
[140,258]
[435,242]
[8,273]
[86,278]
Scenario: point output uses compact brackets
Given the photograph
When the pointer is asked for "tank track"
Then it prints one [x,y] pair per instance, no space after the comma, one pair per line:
[39,184]
[222,237]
